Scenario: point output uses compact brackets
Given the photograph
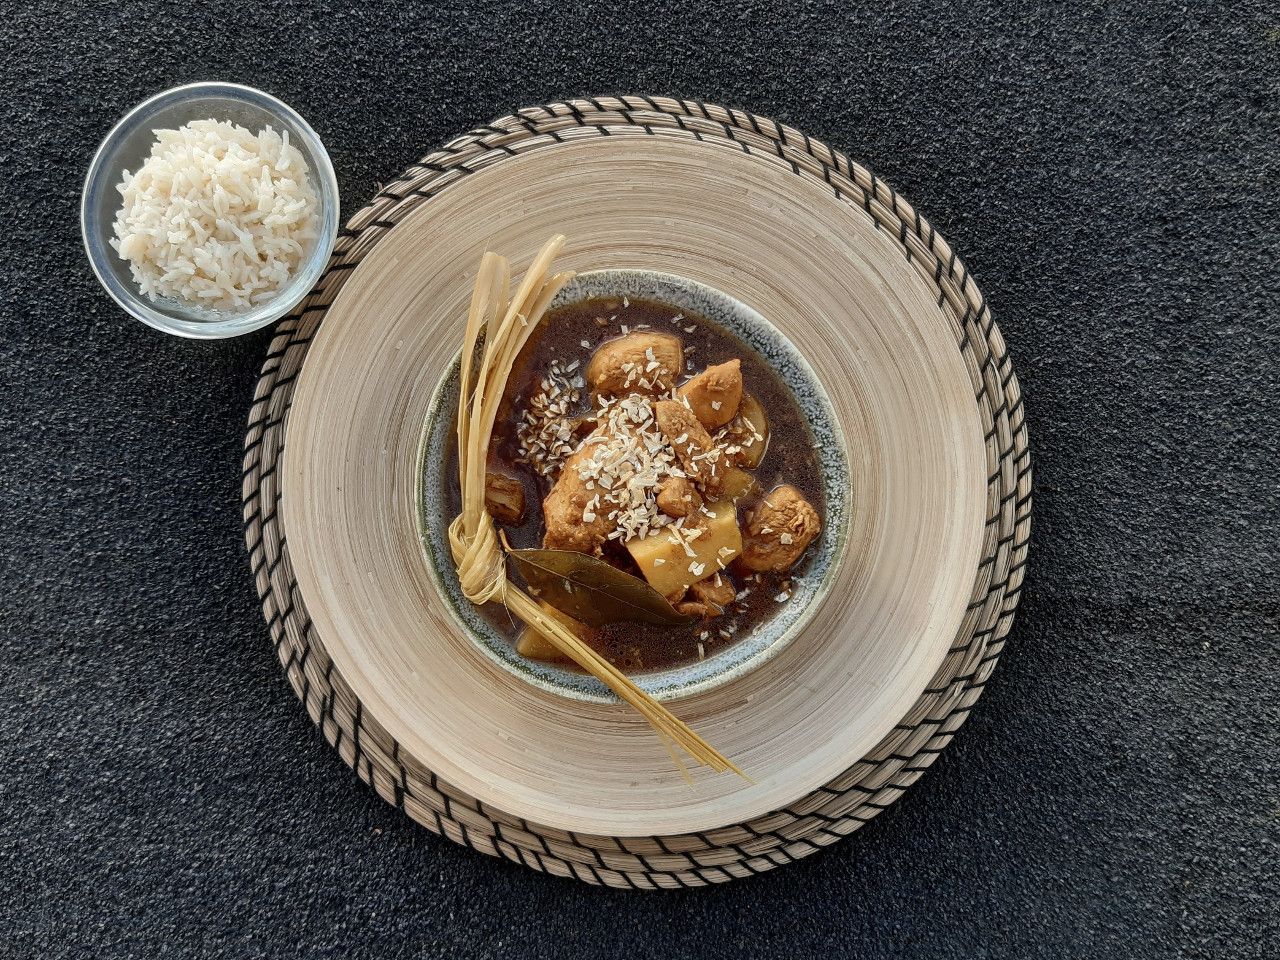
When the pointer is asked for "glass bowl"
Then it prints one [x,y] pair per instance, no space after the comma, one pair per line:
[127,146]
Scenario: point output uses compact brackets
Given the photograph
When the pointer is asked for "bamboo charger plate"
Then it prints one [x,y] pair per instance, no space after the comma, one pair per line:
[833,728]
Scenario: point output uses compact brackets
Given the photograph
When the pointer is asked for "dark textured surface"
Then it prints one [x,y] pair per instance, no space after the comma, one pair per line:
[1110,175]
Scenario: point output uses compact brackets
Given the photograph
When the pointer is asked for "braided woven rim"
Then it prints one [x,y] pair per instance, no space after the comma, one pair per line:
[819,818]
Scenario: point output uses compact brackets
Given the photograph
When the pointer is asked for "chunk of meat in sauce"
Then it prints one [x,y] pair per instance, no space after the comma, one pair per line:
[691,608]
[779,530]
[690,441]
[708,598]
[570,524]
[504,497]
[718,590]
[641,362]
[677,497]
[714,394]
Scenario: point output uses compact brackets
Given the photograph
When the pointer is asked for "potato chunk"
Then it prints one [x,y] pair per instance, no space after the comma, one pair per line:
[567,511]
[691,442]
[737,483]
[536,646]
[642,362]
[749,432]
[714,394]
[504,497]
[664,556]
[779,530]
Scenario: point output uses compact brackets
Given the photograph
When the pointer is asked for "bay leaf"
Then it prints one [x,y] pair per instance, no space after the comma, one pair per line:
[591,590]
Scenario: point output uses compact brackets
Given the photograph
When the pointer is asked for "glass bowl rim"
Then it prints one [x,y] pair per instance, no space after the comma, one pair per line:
[226,325]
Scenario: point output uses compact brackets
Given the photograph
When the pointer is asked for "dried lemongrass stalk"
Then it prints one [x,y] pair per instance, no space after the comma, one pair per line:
[497,328]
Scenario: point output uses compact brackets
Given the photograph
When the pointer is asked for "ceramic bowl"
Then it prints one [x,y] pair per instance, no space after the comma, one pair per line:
[753,648]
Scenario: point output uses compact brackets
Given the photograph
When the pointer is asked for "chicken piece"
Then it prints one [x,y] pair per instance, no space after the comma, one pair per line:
[717,591]
[571,511]
[708,598]
[694,608]
[641,362]
[689,438]
[677,497]
[779,530]
[714,394]
[504,497]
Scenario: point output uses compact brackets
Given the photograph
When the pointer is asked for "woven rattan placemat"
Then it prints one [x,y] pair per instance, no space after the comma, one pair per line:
[812,821]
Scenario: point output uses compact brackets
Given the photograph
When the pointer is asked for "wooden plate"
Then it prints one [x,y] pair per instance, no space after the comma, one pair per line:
[881,332]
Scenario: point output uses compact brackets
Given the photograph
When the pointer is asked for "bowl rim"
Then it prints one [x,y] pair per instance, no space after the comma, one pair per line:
[255,319]
[663,685]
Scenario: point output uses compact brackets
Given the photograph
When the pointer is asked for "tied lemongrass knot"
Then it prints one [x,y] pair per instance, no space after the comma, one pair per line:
[498,326]
[482,567]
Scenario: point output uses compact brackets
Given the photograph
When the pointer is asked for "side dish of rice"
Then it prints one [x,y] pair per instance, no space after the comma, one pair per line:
[217,216]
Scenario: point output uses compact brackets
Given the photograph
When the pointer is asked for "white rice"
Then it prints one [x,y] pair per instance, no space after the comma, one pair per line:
[216,216]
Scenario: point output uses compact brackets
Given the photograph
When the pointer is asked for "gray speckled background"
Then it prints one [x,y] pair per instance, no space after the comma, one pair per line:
[1109,172]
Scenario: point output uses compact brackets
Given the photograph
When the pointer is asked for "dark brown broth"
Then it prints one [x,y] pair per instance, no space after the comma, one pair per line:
[789,458]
